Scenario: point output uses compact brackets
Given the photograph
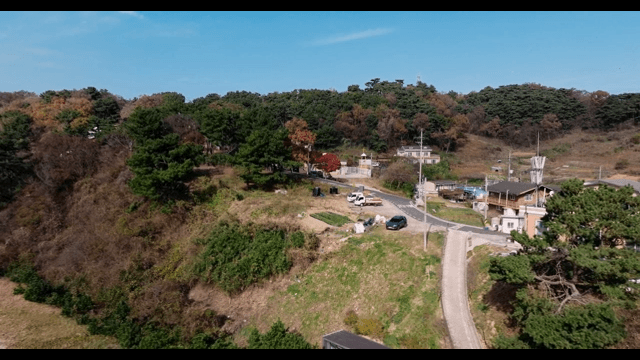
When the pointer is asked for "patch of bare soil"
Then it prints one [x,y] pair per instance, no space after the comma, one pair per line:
[240,309]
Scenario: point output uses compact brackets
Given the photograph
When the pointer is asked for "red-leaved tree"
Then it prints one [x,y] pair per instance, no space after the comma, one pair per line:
[328,162]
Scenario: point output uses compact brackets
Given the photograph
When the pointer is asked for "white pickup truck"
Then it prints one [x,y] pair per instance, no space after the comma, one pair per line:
[352,196]
[361,200]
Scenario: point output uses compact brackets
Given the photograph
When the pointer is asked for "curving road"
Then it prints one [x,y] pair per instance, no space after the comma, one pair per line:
[459,239]
[407,206]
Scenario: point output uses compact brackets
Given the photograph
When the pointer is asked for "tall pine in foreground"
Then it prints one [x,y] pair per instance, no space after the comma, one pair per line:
[159,161]
[571,279]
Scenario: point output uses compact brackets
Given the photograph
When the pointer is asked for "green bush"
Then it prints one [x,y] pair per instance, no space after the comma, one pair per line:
[236,256]
[297,239]
[277,338]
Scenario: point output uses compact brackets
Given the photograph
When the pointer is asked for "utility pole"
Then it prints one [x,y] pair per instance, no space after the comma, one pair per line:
[420,172]
[486,196]
[509,170]
[426,209]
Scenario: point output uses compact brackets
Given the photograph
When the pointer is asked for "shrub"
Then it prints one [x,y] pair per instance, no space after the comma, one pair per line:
[297,239]
[236,256]
[622,164]
[351,319]
[277,338]
[370,327]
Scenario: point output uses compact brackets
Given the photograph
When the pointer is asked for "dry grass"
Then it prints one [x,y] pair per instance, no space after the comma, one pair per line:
[28,325]
[586,152]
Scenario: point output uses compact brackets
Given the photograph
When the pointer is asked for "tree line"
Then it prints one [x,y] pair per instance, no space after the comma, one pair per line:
[251,128]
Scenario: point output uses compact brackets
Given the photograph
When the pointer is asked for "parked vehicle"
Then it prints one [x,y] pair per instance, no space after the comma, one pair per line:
[352,196]
[361,200]
[396,223]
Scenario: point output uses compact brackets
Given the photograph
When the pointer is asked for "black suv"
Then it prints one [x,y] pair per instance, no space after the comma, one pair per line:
[397,222]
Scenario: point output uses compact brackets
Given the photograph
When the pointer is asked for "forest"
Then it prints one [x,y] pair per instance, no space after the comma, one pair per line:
[100,179]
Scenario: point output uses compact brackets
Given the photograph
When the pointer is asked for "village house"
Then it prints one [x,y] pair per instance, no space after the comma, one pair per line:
[508,194]
[521,204]
[414,153]
[527,220]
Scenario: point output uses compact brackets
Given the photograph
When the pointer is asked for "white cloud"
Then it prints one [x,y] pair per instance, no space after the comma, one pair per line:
[353,36]
[132,13]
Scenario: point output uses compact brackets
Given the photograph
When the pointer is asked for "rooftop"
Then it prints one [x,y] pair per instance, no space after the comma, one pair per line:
[414,148]
[616,183]
[352,341]
[516,188]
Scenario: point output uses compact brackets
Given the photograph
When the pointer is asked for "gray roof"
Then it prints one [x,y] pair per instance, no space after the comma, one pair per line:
[352,341]
[517,188]
[444,182]
[616,183]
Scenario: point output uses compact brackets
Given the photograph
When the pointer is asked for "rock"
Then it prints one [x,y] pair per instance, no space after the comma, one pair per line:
[358,228]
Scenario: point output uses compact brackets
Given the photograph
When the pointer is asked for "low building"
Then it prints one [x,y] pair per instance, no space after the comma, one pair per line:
[342,339]
[363,170]
[528,219]
[444,185]
[533,224]
[414,152]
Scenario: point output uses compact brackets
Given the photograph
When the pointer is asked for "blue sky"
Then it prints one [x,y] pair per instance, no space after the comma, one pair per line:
[134,53]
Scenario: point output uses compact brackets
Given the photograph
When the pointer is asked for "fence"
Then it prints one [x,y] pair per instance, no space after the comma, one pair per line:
[352,170]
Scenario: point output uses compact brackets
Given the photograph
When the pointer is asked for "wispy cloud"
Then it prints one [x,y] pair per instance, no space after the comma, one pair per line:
[353,36]
[132,13]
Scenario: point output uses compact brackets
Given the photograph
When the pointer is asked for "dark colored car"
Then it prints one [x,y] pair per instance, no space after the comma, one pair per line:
[396,223]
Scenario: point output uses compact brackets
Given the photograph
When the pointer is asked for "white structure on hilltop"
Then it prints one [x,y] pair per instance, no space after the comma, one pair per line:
[414,152]
[363,169]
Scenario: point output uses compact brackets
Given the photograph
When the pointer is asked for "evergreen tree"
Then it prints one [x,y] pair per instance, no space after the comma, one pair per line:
[160,163]
[581,252]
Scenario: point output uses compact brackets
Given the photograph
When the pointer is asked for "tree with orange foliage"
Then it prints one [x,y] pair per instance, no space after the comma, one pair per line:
[390,125]
[353,123]
[456,132]
[301,140]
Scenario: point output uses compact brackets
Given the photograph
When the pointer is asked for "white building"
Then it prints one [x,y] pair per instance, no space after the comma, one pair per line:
[414,152]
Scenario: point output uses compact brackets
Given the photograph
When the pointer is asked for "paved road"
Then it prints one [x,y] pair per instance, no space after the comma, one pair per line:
[459,239]
[412,211]
[455,305]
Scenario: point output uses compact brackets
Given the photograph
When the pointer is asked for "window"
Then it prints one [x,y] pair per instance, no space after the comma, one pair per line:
[528,197]
[509,225]
[539,227]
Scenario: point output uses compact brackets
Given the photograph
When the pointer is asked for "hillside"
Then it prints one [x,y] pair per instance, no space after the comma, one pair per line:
[582,154]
